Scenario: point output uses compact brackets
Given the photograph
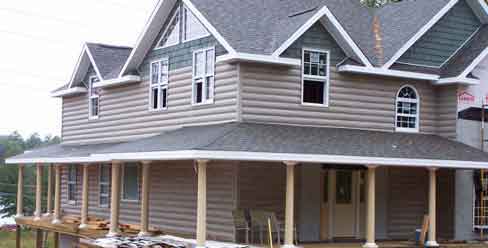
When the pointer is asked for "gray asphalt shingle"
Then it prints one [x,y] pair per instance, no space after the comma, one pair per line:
[109,59]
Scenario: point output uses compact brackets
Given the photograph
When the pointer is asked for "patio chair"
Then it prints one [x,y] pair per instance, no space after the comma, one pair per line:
[241,223]
[281,227]
[259,223]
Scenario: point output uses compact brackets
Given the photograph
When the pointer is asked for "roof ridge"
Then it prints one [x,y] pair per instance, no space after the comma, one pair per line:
[109,45]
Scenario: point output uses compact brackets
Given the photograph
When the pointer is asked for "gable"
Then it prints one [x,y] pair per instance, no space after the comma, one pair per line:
[443,40]
[316,37]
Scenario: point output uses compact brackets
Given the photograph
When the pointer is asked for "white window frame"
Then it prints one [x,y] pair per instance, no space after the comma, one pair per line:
[92,96]
[160,86]
[183,26]
[178,12]
[71,182]
[325,79]
[207,75]
[122,191]
[101,183]
[417,115]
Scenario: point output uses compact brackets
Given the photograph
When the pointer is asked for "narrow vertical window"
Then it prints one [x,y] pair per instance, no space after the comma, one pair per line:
[130,188]
[94,103]
[315,74]
[104,184]
[159,85]
[72,174]
[203,76]
[407,110]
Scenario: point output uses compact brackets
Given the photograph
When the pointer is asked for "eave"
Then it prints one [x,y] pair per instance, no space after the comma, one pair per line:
[387,72]
[69,92]
[264,59]
[125,80]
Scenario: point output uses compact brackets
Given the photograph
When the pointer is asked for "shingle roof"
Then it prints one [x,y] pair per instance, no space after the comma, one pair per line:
[261,26]
[109,59]
[467,55]
[63,151]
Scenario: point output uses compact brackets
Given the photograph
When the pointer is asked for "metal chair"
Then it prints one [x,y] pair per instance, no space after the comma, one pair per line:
[241,223]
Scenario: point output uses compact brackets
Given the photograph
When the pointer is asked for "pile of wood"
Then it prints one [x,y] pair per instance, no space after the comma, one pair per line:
[94,223]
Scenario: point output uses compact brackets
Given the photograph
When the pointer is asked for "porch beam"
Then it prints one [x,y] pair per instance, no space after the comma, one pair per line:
[290,203]
[57,195]
[38,211]
[371,208]
[20,192]
[146,165]
[115,200]
[49,200]
[431,241]
[84,203]
[202,203]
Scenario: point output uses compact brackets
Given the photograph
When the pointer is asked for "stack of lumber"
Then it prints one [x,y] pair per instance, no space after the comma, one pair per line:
[94,223]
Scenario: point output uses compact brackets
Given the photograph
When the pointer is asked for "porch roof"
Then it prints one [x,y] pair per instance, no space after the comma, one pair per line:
[270,142]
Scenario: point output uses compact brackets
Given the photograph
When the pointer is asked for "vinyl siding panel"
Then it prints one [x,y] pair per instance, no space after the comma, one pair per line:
[447,111]
[273,94]
[173,194]
[444,38]
[125,115]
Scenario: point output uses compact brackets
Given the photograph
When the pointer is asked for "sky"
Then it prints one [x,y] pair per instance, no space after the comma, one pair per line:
[40,42]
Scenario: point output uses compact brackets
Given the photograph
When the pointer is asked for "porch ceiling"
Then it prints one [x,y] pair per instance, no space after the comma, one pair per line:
[267,142]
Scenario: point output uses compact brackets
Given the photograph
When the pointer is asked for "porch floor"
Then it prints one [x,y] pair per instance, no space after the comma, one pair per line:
[391,244]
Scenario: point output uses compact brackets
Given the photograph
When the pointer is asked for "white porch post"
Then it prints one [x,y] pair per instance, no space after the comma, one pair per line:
[202,203]
[115,201]
[84,204]
[370,216]
[57,196]
[290,204]
[146,165]
[38,211]
[49,200]
[20,192]
[431,241]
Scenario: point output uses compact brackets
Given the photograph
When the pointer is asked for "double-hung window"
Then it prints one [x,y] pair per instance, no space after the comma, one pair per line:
[159,85]
[72,174]
[94,103]
[203,76]
[104,184]
[407,110]
[130,188]
[315,77]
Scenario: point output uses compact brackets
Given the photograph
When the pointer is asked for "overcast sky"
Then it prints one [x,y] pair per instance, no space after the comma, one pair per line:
[40,42]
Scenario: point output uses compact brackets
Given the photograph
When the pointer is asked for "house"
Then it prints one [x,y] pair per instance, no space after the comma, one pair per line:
[342,125]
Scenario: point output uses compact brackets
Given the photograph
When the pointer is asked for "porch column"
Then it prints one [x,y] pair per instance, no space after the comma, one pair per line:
[202,203]
[146,165]
[38,211]
[115,200]
[370,213]
[290,200]
[49,200]
[84,204]
[431,241]
[20,192]
[57,195]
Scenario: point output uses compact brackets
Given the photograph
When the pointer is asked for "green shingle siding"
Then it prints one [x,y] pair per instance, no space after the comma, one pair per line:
[317,37]
[444,38]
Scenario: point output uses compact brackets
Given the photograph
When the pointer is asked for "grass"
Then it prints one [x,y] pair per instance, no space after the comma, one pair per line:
[7,239]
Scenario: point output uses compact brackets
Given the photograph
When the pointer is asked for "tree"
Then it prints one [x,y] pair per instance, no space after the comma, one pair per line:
[14,144]
[373,5]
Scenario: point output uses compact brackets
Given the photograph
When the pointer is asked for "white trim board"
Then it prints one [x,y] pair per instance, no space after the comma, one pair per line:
[69,92]
[265,59]
[258,157]
[324,11]
[420,33]
[388,72]
[474,63]
[117,81]
[458,80]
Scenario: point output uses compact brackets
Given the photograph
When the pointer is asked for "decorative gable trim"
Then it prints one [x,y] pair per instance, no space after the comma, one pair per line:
[152,29]
[82,65]
[324,11]
[420,33]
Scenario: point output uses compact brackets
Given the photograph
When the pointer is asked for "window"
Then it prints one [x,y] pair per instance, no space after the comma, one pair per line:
[315,74]
[192,28]
[104,184]
[72,174]
[203,76]
[159,85]
[407,110]
[93,98]
[183,26]
[130,182]
[343,187]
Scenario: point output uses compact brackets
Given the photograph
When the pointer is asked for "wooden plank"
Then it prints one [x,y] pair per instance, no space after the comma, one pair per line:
[38,238]
[56,239]
[18,237]
[425,228]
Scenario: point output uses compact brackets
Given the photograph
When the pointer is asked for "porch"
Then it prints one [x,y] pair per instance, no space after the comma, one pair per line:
[346,169]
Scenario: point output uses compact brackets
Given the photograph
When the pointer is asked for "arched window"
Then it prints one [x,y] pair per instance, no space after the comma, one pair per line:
[407,110]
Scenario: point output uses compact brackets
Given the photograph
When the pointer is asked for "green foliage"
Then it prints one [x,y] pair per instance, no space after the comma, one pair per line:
[378,3]
[13,145]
